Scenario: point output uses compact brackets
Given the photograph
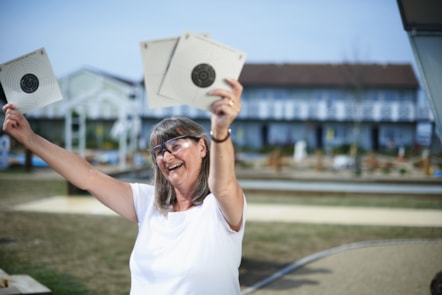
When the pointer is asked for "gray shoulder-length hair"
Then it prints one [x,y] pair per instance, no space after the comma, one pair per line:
[164,191]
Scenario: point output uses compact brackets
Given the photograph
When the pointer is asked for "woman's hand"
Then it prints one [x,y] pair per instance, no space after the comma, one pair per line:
[16,124]
[226,109]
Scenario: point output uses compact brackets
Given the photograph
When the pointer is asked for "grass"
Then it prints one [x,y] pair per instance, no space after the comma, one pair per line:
[85,254]
[70,254]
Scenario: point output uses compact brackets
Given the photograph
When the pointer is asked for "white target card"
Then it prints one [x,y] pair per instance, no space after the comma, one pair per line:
[199,65]
[156,57]
[183,70]
[29,82]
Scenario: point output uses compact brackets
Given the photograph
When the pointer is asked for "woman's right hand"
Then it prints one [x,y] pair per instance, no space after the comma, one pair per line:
[16,124]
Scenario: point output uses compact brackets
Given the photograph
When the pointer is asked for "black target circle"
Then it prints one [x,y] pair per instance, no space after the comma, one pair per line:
[29,83]
[203,75]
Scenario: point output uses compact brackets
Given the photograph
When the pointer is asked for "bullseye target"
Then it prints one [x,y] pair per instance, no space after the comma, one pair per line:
[29,81]
[203,75]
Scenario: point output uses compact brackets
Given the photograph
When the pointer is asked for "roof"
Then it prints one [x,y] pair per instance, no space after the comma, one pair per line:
[110,76]
[330,75]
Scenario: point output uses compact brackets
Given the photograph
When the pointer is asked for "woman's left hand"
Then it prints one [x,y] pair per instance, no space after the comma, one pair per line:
[227,108]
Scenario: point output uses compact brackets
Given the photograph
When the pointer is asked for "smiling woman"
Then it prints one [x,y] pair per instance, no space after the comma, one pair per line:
[174,140]
[191,221]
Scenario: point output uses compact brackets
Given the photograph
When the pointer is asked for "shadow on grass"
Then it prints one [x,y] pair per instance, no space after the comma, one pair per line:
[254,270]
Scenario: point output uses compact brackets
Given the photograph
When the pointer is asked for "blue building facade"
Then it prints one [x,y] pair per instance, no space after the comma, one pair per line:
[371,105]
[326,105]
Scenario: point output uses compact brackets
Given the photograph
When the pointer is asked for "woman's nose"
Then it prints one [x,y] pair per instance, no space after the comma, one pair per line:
[165,152]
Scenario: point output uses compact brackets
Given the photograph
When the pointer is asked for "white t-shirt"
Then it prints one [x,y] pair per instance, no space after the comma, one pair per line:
[188,252]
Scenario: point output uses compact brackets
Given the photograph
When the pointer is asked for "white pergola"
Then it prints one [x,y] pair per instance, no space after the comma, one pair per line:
[84,105]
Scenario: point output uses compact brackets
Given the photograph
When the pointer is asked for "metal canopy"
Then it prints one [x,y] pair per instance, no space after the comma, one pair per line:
[422,19]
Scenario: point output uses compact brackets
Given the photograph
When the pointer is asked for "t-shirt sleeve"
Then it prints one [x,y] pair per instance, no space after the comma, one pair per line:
[143,195]
[224,221]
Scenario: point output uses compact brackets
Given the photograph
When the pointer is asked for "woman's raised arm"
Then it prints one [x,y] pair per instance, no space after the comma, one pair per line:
[222,178]
[115,194]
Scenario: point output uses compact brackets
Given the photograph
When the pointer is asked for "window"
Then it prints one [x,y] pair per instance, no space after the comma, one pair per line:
[331,111]
[386,112]
[367,111]
[390,95]
[404,112]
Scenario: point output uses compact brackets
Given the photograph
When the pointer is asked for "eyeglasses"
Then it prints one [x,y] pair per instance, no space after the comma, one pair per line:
[173,146]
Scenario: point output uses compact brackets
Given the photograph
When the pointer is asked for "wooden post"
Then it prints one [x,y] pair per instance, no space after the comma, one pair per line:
[427,166]
[28,160]
[319,165]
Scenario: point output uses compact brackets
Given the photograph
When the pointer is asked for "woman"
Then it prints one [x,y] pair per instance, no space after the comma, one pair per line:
[191,222]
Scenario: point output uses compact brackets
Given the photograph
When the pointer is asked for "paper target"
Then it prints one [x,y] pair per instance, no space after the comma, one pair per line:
[199,65]
[29,82]
[156,56]
[184,69]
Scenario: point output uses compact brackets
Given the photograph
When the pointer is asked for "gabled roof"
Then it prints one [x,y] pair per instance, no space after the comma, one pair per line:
[110,76]
[330,75]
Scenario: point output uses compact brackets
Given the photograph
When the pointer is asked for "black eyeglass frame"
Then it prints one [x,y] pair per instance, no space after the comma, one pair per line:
[162,146]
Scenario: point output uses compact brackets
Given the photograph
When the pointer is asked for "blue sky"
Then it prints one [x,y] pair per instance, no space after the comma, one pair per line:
[105,34]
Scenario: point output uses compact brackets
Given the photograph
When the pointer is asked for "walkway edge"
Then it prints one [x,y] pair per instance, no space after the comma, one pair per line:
[309,259]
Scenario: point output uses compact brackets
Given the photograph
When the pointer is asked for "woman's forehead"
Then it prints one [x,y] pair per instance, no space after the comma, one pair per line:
[160,137]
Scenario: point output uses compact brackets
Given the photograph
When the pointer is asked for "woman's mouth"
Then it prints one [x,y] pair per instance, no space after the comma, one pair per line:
[175,166]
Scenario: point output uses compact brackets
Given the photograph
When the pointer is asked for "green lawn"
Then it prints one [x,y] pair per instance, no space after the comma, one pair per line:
[84,254]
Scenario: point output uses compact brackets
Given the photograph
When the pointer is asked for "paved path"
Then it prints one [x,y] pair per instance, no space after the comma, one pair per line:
[369,268]
[344,215]
[268,212]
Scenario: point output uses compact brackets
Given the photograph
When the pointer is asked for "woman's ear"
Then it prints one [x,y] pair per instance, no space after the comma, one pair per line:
[203,148]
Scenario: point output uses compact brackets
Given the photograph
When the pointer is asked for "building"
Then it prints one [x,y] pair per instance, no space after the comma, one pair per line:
[326,105]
